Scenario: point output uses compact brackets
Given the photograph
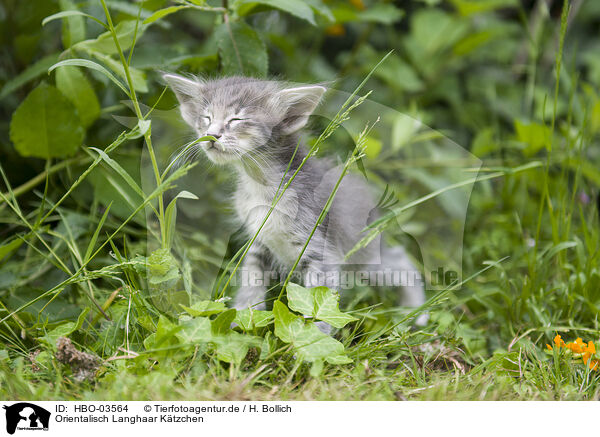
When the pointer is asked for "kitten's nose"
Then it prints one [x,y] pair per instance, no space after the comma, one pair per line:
[217,136]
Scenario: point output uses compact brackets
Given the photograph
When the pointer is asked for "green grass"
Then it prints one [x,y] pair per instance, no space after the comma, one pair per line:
[73,264]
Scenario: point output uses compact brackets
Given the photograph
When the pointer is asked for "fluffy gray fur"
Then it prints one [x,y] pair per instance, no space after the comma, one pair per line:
[257,124]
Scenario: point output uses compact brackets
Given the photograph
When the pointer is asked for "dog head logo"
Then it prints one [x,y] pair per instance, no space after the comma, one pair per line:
[26,416]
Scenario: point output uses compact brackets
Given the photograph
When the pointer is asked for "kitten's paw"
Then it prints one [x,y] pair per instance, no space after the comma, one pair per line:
[422,320]
[324,327]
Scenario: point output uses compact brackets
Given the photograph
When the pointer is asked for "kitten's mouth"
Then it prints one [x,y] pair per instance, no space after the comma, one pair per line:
[216,151]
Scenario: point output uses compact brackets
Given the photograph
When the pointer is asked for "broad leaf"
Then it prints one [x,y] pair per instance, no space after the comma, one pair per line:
[105,43]
[241,50]
[73,28]
[195,330]
[233,347]
[222,324]
[46,125]
[63,330]
[297,8]
[92,65]
[320,303]
[310,344]
[249,319]
[74,85]
[205,308]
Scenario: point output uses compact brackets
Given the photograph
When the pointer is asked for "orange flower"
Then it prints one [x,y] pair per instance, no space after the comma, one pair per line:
[587,351]
[558,341]
[591,347]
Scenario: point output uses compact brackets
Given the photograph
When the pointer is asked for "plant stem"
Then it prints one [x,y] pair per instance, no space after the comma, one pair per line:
[138,112]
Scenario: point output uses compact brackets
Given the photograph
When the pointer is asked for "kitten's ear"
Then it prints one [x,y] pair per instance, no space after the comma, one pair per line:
[301,102]
[185,89]
[187,92]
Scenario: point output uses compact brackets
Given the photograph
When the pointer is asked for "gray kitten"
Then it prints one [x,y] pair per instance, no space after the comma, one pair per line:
[257,125]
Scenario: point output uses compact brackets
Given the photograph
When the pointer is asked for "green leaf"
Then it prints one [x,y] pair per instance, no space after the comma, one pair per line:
[64,330]
[248,319]
[470,7]
[222,324]
[7,248]
[320,303]
[233,347]
[74,85]
[205,308]
[320,8]
[46,125]
[298,8]
[164,336]
[160,267]
[378,13]
[310,344]
[73,28]
[92,65]
[94,238]
[162,13]
[196,330]
[241,50]
[105,43]
[138,77]
[534,135]
[120,170]
[171,213]
[384,13]
[29,74]
[66,14]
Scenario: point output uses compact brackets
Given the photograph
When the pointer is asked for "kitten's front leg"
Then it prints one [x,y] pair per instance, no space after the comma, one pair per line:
[253,290]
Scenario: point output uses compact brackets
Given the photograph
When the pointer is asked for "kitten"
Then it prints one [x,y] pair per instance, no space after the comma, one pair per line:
[257,124]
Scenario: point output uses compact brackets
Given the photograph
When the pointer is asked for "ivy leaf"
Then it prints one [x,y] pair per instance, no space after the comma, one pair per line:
[248,319]
[241,50]
[196,330]
[46,125]
[74,85]
[310,344]
[222,324]
[205,308]
[233,347]
[320,303]
[164,336]
[159,268]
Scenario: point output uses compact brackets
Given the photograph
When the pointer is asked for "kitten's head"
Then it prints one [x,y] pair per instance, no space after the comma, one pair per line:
[243,114]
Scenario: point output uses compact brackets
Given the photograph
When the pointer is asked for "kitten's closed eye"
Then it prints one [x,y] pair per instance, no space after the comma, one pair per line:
[234,120]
